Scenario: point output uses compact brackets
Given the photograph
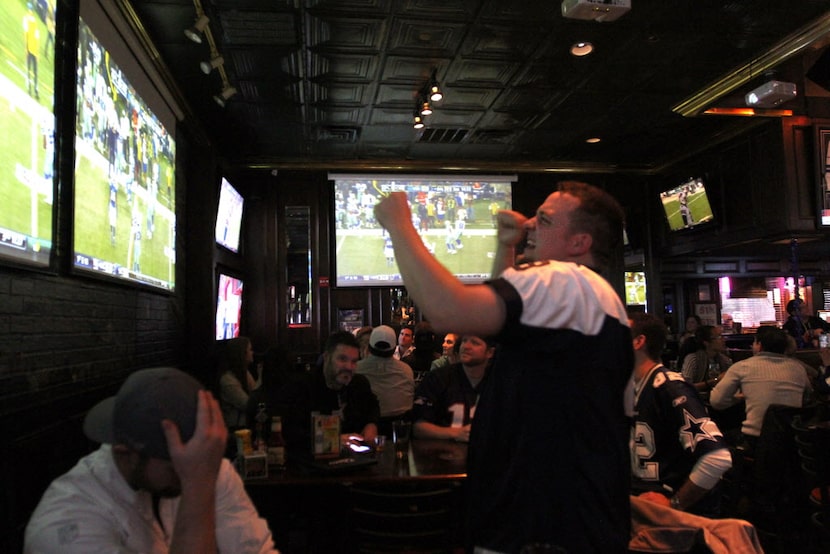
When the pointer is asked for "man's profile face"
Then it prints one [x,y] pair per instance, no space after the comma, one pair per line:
[548,231]
[340,365]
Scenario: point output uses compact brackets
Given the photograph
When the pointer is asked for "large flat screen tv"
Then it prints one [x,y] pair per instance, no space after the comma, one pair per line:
[229,216]
[125,199]
[687,205]
[27,130]
[228,306]
[455,215]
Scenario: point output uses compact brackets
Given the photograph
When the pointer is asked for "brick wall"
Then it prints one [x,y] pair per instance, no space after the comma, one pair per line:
[65,343]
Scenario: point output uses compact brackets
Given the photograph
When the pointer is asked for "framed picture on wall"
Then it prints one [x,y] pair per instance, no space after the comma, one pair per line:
[707,312]
[824,177]
[350,319]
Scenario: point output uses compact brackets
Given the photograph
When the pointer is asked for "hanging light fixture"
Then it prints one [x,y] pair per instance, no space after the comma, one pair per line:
[209,65]
[418,122]
[426,109]
[435,94]
[195,33]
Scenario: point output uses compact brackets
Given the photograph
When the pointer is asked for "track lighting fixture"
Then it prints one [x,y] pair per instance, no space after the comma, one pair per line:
[195,33]
[209,65]
[222,97]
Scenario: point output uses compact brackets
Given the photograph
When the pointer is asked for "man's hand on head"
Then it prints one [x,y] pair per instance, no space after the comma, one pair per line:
[197,461]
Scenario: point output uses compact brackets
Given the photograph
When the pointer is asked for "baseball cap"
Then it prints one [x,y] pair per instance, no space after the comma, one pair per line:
[383,338]
[133,416]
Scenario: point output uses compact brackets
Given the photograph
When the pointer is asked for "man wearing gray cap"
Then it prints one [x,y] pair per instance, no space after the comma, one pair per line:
[158,483]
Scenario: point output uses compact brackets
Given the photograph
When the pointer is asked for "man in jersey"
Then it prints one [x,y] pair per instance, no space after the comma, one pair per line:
[548,459]
[678,454]
[685,212]
[446,398]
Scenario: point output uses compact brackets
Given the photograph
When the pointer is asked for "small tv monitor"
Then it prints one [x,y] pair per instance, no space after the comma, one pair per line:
[228,306]
[454,215]
[687,205]
[124,223]
[229,216]
[635,288]
[27,131]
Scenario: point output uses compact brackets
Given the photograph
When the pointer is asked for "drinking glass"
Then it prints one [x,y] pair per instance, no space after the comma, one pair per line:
[401,432]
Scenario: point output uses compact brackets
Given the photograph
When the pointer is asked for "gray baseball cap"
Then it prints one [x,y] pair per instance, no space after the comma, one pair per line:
[133,416]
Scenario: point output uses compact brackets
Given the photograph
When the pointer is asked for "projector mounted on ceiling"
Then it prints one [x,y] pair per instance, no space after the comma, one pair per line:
[598,10]
[771,94]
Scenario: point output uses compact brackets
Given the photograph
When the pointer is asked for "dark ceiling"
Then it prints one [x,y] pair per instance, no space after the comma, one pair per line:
[333,83]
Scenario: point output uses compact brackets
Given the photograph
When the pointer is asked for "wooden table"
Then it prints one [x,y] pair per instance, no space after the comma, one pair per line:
[310,511]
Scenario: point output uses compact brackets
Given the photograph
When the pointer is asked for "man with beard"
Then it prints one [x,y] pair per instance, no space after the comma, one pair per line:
[336,388]
[157,484]
[446,400]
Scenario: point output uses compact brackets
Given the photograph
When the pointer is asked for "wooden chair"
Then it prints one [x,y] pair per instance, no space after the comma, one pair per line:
[406,518]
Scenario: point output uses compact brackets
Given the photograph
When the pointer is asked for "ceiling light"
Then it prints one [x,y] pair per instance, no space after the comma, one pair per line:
[593,140]
[582,48]
[418,122]
[195,33]
[213,63]
[222,97]
[435,93]
[426,109]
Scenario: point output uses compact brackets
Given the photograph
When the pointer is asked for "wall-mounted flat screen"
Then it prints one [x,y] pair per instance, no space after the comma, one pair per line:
[125,197]
[687,205]
[635,288]
[229,216]
[27,130]
[455,216]
[228,306]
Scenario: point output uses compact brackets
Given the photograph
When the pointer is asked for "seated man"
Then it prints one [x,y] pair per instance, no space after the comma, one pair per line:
[335,388]
[804,328]
[678,454]
[392,380]
[157,484]
[768,377]
[446,399]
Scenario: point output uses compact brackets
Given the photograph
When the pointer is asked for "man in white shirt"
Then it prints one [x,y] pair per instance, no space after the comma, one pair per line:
[158,483]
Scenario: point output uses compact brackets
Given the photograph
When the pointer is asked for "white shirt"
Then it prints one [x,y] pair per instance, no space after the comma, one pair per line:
[93,509]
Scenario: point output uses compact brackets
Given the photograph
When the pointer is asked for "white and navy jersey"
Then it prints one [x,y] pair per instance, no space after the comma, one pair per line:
[671,431]
[446,397]
[548,459]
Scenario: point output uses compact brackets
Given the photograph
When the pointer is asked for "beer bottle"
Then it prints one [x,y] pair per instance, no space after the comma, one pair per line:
[276,444]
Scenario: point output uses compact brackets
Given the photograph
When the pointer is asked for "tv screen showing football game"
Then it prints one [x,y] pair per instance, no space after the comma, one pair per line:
[229,216]
[454,215]
[27,121]
[228,306]
[125,209]
[635,288]
[687,205]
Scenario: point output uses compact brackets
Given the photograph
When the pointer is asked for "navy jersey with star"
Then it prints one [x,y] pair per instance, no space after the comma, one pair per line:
[671,431]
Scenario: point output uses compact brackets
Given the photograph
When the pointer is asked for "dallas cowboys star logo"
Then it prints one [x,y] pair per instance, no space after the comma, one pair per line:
[696,430]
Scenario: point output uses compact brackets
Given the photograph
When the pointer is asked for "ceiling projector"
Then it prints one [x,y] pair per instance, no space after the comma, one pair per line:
[598,10]
[771,94]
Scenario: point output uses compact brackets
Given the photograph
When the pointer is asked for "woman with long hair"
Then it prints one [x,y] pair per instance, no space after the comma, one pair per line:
[236,381]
